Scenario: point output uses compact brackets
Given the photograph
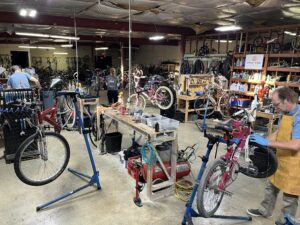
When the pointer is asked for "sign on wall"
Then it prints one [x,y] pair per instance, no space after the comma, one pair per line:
[254,61]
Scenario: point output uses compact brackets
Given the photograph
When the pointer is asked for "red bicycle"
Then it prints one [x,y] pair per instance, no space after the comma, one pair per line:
[257,161]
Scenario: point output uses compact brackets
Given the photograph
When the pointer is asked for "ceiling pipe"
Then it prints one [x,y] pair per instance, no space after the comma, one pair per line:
[10,17]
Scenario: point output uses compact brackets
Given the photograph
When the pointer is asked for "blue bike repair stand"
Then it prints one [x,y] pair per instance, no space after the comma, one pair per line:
[189,211]
[94,180]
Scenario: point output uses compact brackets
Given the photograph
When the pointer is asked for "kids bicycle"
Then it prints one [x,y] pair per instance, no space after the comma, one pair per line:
[250,159]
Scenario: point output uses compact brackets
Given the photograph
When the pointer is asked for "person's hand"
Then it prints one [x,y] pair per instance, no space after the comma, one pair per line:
[259,139]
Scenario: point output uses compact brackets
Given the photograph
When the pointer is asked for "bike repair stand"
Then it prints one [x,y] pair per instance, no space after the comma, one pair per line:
[189,211]
[93,179]
[203,125]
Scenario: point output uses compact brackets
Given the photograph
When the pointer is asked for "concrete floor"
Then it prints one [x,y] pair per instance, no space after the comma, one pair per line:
[113,204]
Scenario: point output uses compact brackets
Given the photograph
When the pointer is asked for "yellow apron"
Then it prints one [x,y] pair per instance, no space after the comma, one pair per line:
[287,176]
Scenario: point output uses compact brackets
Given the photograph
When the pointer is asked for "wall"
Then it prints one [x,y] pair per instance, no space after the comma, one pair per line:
[145,54]
[155,54]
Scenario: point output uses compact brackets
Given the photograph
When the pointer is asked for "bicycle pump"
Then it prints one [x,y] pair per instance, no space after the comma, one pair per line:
[138,188]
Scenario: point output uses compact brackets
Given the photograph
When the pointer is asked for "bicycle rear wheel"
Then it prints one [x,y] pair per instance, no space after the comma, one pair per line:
[137,100]
[40,160]
[200,105]
[225,104]
[66,112]
[209,196]
[164,97]
[264,162]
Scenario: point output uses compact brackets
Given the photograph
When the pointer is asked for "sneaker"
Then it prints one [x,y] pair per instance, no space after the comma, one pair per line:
[254,212]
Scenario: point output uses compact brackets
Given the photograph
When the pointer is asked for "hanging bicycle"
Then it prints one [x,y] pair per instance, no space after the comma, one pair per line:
[161,96]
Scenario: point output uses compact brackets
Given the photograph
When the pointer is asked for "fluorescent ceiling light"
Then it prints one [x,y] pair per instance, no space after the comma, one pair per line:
[32,34]
[60,40]
[26,46]
[290,33]
[224,41]
[67,46]
[101,48]
[65,37]
[23,12]
[45,47]
[60,53]
[46,35]
[228,28]
[32,13]
[156,38]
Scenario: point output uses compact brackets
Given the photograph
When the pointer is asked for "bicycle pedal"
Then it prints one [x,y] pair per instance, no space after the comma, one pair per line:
[228,193]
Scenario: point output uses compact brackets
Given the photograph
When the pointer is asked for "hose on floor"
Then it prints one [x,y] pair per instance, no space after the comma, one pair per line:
[183,189]
[151,159]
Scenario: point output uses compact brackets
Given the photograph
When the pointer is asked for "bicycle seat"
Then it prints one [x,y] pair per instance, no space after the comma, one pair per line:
[226,126]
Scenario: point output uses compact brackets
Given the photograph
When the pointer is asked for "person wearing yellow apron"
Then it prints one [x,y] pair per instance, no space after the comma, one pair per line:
[286,140]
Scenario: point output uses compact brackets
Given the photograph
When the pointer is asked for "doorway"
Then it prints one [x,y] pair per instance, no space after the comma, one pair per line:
[19,58]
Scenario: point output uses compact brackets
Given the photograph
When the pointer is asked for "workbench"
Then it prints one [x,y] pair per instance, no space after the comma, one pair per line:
[183,104]
[166,188]
[271,117]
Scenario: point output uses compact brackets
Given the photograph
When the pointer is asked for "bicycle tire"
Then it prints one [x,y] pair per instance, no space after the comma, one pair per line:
[93,133]
[29,155]
[205,185]
[264,162]
[201,103]
[137,100]
[66,112]
[164,97]
[225,104]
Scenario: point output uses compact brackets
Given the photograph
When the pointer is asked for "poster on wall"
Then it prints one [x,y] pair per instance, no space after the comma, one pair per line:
[254,61]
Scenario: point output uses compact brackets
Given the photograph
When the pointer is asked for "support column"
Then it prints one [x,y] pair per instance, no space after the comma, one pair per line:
[122,63]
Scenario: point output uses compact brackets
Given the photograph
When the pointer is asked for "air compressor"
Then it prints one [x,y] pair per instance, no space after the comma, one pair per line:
[183,168]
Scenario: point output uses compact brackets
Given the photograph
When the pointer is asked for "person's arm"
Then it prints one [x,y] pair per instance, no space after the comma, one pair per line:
[36,81]
[273,136]
[292,145]
[9,83]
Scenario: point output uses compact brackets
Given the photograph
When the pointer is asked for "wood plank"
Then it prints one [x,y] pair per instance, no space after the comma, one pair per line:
[277,69]
[246,81]
[285,55]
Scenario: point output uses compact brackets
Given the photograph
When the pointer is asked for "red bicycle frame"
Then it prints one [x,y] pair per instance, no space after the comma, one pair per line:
[50,115]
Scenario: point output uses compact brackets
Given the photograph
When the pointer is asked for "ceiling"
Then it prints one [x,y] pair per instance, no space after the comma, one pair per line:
[107,20]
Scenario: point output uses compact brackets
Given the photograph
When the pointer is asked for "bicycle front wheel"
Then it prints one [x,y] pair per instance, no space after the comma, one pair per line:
[164,97]
[225,104]
[40,160]
[136,100]
[209,196]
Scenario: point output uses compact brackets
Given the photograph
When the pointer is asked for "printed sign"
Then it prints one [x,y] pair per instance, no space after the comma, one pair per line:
[254,61]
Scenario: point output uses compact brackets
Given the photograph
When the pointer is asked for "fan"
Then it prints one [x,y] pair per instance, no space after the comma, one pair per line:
[141,7]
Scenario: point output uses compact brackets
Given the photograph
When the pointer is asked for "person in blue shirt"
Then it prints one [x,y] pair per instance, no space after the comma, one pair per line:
[112,83]
[286,140]
[19,80]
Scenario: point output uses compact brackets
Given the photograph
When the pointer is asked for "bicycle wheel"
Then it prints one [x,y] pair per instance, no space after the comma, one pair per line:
[225,104]
[200,105]
[209,196]
[136,100]
[164,97]
[264,162]
[93,133]
[66,112]
[40,160]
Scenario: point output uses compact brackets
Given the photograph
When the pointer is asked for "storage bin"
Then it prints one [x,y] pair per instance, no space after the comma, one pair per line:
[241,102]
[168,124]
[113,142]
[153,120]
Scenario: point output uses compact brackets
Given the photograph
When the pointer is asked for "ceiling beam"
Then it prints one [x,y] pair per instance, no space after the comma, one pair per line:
[15,18]
[11,39]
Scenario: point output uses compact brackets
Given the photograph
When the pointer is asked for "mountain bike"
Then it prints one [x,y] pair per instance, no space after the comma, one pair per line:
[161,96]
[43,156]
[251,159]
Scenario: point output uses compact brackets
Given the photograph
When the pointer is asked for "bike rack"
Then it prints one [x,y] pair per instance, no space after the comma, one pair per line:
[94,179]
[189,211]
